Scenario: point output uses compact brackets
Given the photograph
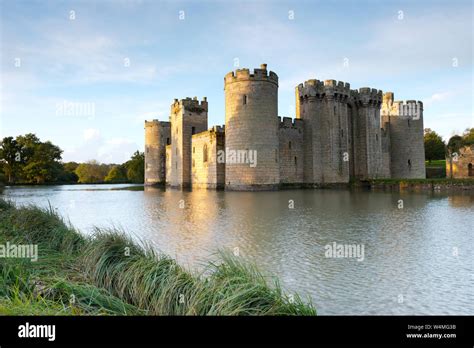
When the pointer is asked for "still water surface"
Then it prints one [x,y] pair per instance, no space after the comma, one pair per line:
[417,260]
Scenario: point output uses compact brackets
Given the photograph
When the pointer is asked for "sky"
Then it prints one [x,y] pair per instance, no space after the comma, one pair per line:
[87,74]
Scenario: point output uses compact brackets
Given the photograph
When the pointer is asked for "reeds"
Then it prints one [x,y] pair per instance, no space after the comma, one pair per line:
[108,273]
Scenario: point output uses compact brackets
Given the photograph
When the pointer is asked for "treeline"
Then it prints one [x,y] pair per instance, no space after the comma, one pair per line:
[437,149]
[27,160]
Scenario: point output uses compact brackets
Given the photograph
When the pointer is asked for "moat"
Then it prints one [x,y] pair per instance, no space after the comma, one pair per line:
[418,256]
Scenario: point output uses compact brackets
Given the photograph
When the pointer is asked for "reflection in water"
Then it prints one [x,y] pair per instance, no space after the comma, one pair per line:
[418,259]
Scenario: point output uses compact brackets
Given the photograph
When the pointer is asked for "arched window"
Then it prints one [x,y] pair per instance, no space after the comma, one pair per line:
[204,153]
[470,170]
[167,141]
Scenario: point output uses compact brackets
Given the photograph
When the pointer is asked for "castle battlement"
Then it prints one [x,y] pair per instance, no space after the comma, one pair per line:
[288,122]
[410,108]
[383,137]
[367,95]
[156,122]
[317,88]
[193,105]
[261,74]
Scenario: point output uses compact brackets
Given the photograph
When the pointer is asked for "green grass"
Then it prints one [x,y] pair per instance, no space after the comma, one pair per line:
[435,163]
[436,181]
[109,274]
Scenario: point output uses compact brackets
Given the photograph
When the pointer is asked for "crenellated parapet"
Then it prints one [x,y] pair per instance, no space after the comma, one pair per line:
[190,104]
[155,123]
[367,96]
[261,74]
[320,89]
[410,108]
[288,122]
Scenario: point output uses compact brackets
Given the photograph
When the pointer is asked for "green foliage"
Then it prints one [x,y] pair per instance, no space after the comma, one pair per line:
[468,137]
[435,148]
[110,274]
[118,174]
[28,160]
[136,168]
[458,141]
[92,172]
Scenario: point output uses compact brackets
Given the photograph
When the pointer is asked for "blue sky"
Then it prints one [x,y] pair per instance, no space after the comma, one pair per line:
[130,59]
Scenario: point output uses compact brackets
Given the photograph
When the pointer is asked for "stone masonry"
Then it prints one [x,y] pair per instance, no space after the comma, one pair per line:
[338,134]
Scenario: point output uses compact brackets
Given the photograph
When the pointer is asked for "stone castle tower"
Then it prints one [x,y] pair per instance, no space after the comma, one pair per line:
[338,134]
[251,123]
[404,123]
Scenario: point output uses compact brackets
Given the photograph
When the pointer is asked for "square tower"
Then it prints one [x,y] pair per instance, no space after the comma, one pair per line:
[188,116]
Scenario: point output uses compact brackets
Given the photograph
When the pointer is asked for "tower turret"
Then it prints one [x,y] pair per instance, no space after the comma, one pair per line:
[251,129]
[407,149]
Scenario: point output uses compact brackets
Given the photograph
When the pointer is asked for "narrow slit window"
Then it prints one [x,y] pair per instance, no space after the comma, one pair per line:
[244,100]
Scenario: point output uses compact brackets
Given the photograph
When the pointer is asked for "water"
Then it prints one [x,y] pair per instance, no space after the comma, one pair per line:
[417,260]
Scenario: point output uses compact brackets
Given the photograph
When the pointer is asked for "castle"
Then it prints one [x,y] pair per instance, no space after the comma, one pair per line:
[338,134]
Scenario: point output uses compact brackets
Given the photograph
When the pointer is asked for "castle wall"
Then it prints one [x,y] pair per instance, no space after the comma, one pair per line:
[208,163]
[188,117]
[461,164]
[291,150]
[157,135]
[251,103]
[407,154]
[366,134]
[168,164]
[386,148]
[323,108]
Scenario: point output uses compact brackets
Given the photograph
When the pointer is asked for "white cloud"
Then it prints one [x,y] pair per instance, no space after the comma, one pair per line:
[91,134]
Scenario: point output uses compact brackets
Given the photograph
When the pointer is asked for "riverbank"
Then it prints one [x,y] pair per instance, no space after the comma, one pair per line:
[435,185]
[109,274]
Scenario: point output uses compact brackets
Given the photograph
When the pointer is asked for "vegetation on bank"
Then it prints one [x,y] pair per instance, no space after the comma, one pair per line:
[437,149]
[27,160]
[109,274]
[434,181]
[436,164]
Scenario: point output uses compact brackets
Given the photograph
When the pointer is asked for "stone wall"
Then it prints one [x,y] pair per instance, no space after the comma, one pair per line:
[407,150]
[323,108]
[188,117]
[208,168]
[461,164]
[366,133]
[251,124]
[291,150]
[157,136]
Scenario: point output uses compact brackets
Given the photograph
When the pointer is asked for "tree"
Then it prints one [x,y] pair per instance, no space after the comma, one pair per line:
[136,168]
[118,174]
[434,146]
[10,156]
[43,163]
[91,172]
[67,174]
[454,143]
[468,137]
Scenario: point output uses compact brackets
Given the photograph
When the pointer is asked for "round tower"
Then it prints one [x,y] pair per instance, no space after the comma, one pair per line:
[251,130]
[407,149]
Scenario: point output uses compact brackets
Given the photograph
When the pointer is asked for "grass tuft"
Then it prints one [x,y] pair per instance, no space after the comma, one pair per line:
[110,274]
